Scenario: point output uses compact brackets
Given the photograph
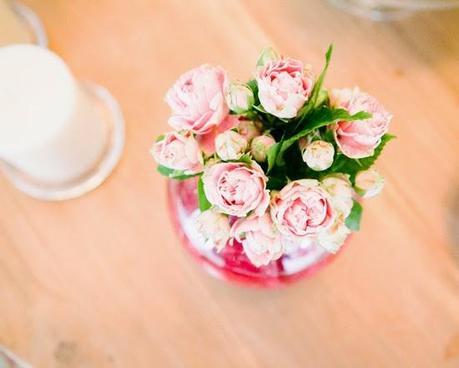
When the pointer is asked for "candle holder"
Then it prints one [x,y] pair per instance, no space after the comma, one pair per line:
[59,137]
[33,23]
[391,10]
[9,360]
[111,116]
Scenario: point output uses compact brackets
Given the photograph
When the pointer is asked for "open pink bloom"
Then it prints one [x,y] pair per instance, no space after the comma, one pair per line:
[259,237]
[302,208]
[284,85]
[179,152]
[236,188]
[197,100]
[358,139]
[207,141]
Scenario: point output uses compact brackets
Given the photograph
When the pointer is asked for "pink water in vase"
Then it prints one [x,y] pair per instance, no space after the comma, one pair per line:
[231,263]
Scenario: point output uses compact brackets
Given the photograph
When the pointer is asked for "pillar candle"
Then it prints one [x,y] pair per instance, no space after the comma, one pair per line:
[50,127]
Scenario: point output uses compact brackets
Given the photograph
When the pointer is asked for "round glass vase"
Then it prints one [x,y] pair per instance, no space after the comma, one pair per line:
[231,264]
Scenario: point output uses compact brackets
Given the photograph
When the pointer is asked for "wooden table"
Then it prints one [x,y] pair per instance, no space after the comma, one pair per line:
[102,281]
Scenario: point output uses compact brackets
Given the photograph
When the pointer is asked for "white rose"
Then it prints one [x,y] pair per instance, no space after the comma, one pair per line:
[239,98]
[214,227]
[340,189]
[230,145]
[334,237]
[368,183]
[318,155]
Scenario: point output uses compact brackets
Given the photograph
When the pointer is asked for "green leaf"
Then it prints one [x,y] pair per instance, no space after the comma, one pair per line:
[352,166]
[321,98]
[353,220]
[260,108]
[160,138]
[272,154]
[204,203]
[246,158]
[317,86]
[174,174]
[276,183]
[317,119]
[252,84]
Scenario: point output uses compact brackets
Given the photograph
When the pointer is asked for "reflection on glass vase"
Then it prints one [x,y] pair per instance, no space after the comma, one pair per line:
[231,263]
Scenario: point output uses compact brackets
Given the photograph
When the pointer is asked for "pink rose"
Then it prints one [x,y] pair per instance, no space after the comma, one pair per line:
[358,139]
[207,141]
[248,128]
[284,85]
[179,152]
[197,100]
[259,237]
[236,188]
[302,208]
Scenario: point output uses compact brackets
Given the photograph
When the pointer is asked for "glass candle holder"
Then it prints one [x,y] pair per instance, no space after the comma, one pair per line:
[20,24]
[388,10]
[59,138]
[232,264]
[9,360]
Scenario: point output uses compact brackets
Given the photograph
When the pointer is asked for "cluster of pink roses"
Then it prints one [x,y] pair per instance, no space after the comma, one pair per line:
[229,134]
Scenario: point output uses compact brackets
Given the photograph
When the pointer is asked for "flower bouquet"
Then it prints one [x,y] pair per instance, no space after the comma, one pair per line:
[267,176]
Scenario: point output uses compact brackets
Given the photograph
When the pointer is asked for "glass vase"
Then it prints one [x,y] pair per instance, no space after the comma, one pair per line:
[231,264]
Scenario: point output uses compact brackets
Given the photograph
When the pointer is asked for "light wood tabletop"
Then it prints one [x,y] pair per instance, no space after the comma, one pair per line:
[102,281]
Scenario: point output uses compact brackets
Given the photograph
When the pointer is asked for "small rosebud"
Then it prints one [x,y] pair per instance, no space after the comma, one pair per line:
[248,129]
[239,98]
[214,227]
[318,155]
[267,54]
[230,145]
[368,183]
[340,189]
[260,146]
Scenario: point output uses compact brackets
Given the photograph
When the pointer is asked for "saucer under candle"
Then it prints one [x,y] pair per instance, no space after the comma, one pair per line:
[20,24]
[59,138]
[9,360]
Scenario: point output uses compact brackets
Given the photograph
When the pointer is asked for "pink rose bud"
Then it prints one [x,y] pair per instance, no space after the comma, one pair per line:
[236,188]
[179,152]
[248,129]
[197,100]
[230,145]
[214,227]
[358,139]
[333,238]
[267,54]
[318,155]
[239,98]
[369,183]
[260,146]
[340,189]
[301,209]
[259,237]
[284,85]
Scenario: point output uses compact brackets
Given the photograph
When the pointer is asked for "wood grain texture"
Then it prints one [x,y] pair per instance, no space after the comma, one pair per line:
[102,281]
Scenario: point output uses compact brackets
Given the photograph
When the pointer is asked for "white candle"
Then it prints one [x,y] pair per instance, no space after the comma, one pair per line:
[49,126]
